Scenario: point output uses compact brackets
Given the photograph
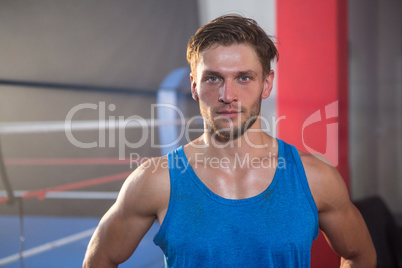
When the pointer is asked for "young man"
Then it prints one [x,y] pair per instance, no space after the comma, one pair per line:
[234,197]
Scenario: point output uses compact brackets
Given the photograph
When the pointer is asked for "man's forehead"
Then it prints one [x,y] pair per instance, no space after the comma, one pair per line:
[233,58]
[222,48]
[206,71]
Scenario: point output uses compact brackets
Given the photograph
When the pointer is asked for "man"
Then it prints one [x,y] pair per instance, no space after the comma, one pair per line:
[234,197]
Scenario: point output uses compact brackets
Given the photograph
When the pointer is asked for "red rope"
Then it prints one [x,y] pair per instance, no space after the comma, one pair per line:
[41,194]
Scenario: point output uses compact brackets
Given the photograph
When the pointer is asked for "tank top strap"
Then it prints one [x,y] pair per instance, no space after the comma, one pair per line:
[293,157]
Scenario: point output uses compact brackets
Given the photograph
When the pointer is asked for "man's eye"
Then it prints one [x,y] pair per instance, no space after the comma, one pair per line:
[212,79]
[244,78]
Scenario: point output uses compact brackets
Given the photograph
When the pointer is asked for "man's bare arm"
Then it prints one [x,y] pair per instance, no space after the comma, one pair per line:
[340,221]
[127,221]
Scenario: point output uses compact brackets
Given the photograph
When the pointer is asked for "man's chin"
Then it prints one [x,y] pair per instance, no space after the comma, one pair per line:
[225,136]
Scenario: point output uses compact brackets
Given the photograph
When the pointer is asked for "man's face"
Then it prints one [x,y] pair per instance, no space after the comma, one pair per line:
[230,86]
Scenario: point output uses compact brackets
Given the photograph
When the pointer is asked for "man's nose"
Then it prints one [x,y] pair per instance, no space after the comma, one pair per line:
[228,92]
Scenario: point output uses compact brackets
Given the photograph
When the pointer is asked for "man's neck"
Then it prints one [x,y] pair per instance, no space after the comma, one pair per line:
[253,142]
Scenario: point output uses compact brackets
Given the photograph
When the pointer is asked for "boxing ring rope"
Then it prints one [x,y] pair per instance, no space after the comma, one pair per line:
[82,125]
[41,194]
[46,127]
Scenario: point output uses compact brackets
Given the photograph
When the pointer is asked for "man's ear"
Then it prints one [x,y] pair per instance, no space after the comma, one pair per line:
[268,84]
[194,88]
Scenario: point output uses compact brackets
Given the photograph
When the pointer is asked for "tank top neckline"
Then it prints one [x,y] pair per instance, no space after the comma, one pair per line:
[188,169]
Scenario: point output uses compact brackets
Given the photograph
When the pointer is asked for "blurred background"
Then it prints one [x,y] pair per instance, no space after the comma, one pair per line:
[103,65]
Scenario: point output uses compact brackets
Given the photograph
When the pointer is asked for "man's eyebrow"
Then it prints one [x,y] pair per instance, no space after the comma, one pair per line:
[240,73]
[211,73]
[247,72]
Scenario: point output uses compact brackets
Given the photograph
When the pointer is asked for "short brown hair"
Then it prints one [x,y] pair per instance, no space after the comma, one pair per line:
[228,30]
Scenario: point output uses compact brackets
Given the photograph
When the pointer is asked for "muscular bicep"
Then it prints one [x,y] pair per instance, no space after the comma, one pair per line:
[340,221]
[346,231]
[116,238]
[127,221]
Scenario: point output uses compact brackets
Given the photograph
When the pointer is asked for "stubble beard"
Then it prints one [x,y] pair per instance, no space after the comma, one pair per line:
[232,130]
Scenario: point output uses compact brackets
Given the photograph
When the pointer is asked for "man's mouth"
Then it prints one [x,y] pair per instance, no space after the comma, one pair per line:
[229,113]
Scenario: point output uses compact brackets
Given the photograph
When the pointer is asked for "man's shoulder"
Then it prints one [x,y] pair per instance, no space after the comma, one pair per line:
[153,170]
[316,164]
[151,177]
[324,179]
[147,188]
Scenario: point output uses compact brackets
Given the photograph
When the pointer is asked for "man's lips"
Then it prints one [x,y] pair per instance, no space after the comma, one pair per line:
[229,113]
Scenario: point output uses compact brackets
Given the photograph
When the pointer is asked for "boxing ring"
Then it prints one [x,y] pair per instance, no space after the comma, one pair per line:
[50,224]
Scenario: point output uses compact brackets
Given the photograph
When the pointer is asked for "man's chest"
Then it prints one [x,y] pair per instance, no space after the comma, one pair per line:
[235,184]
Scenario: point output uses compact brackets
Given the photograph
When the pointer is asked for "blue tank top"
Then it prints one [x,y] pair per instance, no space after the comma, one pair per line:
[272,229]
